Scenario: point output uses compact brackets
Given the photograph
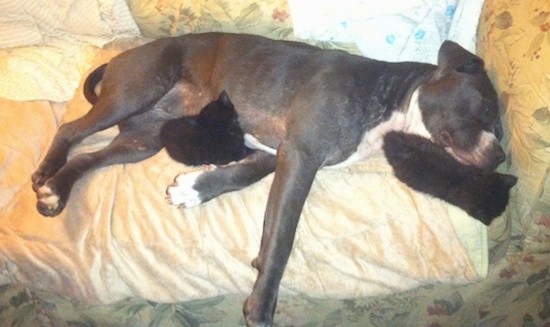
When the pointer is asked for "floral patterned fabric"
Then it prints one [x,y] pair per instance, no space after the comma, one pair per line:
[514,40]
[161,18]
[516,293]
[270,18]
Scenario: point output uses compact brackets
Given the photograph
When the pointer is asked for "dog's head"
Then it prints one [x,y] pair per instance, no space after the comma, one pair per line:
[460,108]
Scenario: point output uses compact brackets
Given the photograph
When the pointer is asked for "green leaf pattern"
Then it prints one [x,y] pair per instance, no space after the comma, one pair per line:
[158,18]
[516,293]
[514,41]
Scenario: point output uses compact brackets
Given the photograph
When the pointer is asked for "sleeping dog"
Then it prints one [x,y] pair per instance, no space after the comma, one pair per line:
[316,107]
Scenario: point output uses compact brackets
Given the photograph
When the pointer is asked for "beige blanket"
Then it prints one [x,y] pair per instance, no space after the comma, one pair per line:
[362,232]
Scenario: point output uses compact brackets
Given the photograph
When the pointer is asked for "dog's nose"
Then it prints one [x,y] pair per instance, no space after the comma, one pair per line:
[498,157]
[497,130]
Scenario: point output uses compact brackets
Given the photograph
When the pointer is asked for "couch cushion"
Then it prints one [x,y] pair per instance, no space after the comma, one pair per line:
[514,40]
[161,18]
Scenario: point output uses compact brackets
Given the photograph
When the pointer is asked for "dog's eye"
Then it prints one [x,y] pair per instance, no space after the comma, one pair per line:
[486,111]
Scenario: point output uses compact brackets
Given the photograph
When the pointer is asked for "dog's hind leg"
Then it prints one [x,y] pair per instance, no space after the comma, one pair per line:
[130,87]
[199,186]
[98,118]
[131,145]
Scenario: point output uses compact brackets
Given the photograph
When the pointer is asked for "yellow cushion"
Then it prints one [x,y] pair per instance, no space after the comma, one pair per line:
[514,40]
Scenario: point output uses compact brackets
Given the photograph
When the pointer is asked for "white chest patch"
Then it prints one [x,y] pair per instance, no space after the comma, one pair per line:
[408,121]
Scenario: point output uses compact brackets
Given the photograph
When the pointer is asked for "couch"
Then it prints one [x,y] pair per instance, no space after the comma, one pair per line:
[369,251]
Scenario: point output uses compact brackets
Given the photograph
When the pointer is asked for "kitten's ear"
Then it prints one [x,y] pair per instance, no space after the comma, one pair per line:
[224,98]
[509,181]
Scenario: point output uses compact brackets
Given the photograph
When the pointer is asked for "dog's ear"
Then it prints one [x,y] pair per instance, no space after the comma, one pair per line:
[453,56]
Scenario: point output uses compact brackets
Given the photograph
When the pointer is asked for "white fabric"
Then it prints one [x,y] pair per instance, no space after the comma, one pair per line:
[392,30]
[66,32]
[95,22]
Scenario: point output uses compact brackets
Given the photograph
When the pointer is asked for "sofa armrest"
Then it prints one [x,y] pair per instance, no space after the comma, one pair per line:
[514,40]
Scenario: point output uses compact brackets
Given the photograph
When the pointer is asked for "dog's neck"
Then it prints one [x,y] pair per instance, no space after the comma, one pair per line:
[413,123]
[407,119]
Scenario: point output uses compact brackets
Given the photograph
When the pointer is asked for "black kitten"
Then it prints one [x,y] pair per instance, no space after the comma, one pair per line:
[428,168]
[214,136]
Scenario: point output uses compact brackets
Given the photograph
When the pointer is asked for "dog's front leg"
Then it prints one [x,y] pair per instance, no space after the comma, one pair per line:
[293,178]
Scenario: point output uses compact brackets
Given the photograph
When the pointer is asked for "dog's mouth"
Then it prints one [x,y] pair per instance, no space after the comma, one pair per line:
[486,158]
[486,153]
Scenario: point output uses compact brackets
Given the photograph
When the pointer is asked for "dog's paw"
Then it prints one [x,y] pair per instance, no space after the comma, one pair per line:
[49,203]
[38,179]
[183,191]
[255,314]
[43,173]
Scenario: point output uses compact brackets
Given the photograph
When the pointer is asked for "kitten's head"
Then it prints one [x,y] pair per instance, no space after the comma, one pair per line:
[485,196]
[219,113]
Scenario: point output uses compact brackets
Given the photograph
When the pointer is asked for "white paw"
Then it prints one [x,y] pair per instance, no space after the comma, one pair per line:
[182,193]
[47,198]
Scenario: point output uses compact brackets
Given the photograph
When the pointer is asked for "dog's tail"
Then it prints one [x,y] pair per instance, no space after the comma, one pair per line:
[92,82]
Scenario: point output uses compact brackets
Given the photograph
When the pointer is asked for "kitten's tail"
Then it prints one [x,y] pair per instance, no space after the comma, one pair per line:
[253,143]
